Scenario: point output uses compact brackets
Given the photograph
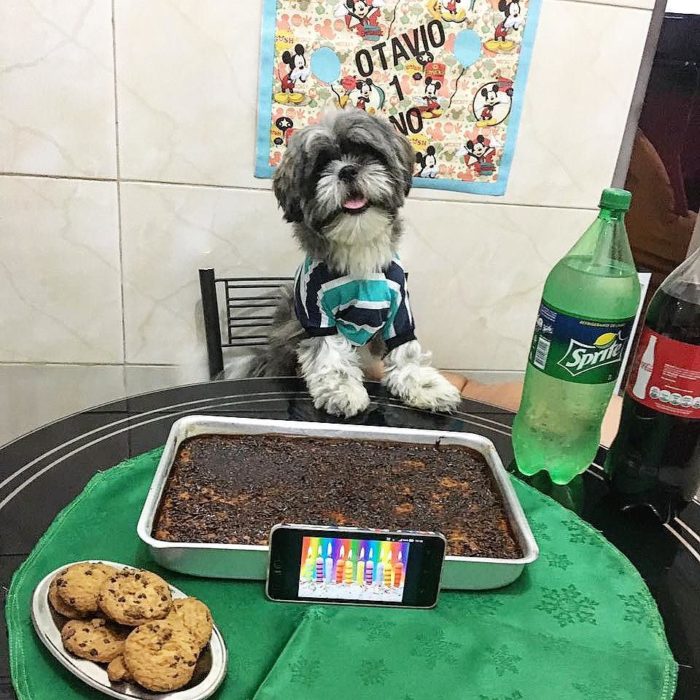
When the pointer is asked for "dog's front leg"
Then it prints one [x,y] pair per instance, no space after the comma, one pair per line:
[409,376]
[333,375]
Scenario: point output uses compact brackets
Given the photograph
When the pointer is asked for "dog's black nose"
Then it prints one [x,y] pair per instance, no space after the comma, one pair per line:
[347,173]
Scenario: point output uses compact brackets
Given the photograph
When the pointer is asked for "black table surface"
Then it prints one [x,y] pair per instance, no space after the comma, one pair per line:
[43,471]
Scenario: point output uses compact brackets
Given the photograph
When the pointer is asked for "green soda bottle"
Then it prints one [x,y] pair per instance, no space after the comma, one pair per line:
[584,323]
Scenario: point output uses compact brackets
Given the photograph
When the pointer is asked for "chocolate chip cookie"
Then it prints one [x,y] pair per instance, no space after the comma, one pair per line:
[133,597]
[59,606]
[79,584]
[117,672]
[96,640]
[161,655]
[195,616]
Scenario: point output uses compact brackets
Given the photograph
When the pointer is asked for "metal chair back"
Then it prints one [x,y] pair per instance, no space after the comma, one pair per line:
[250,307]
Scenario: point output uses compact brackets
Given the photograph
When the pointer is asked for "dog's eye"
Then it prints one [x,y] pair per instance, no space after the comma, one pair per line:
[364,152]
[324,159]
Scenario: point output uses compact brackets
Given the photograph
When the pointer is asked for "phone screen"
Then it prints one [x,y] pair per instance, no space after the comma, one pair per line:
[370,568]
[350,569]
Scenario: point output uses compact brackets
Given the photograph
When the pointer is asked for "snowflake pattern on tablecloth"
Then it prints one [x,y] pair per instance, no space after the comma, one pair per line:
[557,561]
[375,629]
[539,529]
[372,671]
[303,672]
[568,606]
[637,609]
[503,660]
[445,74]
[580,533]
[432,646]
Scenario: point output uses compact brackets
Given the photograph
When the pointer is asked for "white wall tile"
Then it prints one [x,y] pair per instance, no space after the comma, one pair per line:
[57,88]
[187,80]
[59,271]
[140,379]
[476,276]
[168,233]
[33,395]
[640,4]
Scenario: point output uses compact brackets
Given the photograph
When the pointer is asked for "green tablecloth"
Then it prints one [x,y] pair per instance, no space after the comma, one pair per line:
[579,623]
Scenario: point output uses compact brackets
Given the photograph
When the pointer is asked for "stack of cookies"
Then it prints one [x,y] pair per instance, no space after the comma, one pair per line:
[127,619]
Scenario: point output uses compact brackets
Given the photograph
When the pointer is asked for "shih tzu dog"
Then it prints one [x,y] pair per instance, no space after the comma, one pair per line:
[341,184]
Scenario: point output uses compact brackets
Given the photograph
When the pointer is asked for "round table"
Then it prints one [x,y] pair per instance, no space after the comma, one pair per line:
[43,471]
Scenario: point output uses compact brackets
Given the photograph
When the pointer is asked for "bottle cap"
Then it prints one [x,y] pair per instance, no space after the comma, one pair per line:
[615,198]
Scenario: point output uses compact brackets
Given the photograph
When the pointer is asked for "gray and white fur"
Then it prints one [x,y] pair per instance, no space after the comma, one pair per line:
[328,168]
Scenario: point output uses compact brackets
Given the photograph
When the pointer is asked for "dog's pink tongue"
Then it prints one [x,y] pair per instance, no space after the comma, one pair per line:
[355,203]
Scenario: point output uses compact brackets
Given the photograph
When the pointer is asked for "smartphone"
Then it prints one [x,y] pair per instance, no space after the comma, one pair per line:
[354,567]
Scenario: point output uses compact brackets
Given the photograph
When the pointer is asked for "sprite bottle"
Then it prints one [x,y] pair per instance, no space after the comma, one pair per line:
[584,323]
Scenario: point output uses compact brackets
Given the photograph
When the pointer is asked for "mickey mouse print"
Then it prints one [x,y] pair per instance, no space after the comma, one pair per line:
[448,74]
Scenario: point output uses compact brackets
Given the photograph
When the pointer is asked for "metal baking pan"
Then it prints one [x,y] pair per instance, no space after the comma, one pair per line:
[209,672]
[250,561]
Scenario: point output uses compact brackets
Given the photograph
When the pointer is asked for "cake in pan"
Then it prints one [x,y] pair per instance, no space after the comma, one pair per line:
[232,489]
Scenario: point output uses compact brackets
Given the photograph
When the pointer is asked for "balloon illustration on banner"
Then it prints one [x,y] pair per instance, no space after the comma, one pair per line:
[447,74]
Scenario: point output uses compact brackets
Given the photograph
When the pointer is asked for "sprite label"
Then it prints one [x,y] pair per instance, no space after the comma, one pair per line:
[576,349]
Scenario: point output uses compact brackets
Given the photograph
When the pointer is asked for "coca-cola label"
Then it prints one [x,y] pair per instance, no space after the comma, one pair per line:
[577,349]
[665,375]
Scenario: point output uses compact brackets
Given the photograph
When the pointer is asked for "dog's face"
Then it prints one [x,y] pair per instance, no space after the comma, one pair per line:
[350,165]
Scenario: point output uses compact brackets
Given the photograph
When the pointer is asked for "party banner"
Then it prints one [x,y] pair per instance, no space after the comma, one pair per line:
[448,74]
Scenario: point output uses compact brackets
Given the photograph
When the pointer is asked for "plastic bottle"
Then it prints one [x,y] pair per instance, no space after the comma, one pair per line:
[655,458]
[588,306]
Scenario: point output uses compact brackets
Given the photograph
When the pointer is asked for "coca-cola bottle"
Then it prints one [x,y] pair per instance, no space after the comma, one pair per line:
[655,458]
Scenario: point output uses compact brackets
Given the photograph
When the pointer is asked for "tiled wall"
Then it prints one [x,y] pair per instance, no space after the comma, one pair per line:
[126,153]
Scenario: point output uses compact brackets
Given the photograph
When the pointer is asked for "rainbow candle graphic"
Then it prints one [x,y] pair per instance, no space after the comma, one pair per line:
[318,572]
[361,567]
[340,566]
[398,571]
[328,569]
[369,569]
[348,568]
[308,573]
[380,569]
[388,572]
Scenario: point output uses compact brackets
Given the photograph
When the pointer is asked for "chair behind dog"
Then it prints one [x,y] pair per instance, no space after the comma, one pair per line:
[250,304]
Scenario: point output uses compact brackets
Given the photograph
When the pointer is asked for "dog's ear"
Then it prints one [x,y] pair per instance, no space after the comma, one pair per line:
[285,183]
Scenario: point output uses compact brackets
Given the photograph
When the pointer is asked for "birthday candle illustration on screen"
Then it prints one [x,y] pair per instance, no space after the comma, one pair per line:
[380,568]
[340,566]
[348,568]
[328,573]
[369,569]
[361,567]
[307,571]
[398,571]
[388,571]
[318,573]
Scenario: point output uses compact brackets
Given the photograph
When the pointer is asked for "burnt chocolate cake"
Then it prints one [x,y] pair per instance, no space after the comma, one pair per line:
[232,489]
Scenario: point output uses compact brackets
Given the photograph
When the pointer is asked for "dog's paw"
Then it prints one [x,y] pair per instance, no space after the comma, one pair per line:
[423,387]
[346,399]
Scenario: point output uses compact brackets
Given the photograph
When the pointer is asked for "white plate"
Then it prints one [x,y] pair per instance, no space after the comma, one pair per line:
[208,676]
